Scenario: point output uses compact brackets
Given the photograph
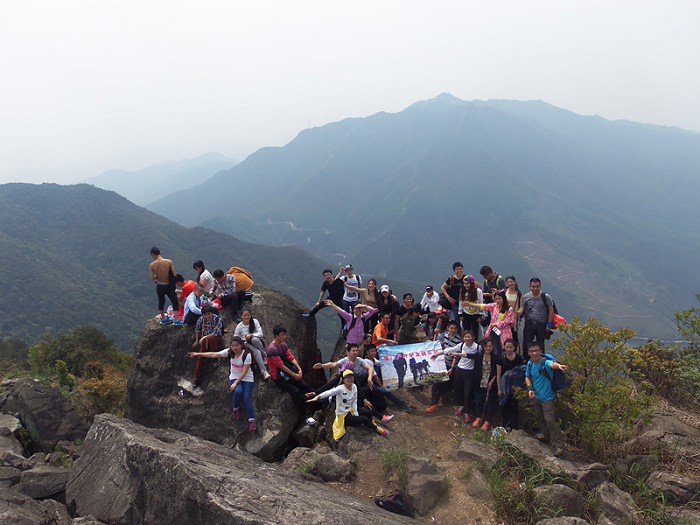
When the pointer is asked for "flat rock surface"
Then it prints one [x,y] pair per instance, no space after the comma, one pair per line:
[129,474]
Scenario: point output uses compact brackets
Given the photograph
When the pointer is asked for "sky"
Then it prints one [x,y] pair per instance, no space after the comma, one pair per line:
[88,86]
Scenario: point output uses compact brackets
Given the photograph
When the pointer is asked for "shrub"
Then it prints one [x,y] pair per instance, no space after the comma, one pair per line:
[107,394]
[602,396]
[394,462]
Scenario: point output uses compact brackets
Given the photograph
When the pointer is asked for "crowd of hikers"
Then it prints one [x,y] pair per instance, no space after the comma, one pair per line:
[477,325]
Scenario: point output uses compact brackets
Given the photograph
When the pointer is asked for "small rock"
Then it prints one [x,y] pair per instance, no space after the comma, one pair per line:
[38,458]
[331,467]
[677,489]
[604,521]
[87,520]
[563,520]
[426,484]
[478,486]
[588,476]
[9,422]
[560,498]
[614,503]
[9,476]
[44,482]
[301,458]
[638,466]
[57,512]
[11,459]
[8,441]
[470,450]
[305,435]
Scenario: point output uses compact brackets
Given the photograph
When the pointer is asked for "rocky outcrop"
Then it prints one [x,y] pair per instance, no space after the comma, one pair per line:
[18,509]
[44,412]
[426,484]
[129,474]
[614,504]
[161,360]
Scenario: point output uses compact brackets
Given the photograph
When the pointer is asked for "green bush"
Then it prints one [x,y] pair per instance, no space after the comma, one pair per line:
[602,397]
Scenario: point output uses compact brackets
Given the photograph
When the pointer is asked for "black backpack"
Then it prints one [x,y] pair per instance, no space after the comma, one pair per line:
[397,503]
[554,305]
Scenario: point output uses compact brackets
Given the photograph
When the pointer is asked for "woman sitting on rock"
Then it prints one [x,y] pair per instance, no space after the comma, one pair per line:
[346,410]
[251,332]
[241,379]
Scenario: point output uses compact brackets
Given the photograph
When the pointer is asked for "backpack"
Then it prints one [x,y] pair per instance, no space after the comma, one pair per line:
[554,305]
[512,379]
[346,328]
[558,379]
[396,503]
[244,279]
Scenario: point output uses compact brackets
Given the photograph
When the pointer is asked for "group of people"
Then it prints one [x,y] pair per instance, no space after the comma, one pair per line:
[477,326]
[370,317]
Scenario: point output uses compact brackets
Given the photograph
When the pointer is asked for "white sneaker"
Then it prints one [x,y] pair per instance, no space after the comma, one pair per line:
[311,421]
[266,375]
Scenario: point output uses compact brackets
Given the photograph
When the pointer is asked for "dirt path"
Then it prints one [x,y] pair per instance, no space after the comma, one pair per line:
[433,436]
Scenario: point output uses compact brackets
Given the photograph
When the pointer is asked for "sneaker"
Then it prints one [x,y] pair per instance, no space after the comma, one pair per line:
[311,421]
[387,418]
[432,409]
[306,316]
[266,375]
[459,412]
[477,422]
[383,432]
[178,322]
[467,419]
[252,425]
[237,414]
[166,320]
[485,426]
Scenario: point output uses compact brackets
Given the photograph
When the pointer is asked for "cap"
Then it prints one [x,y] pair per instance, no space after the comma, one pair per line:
[470,279]
[384,288]
[348,266]
[348,373]
[428,288]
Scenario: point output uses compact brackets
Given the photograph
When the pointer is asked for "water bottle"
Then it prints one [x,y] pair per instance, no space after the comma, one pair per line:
[170,312]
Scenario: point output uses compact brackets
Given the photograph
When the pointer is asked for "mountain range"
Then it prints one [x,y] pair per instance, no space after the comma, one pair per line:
[603,211]
[153,182]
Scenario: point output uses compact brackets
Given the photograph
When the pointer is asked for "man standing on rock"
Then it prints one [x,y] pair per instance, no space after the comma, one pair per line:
[538,378]
[335,288]
[539,315]
[451,288]
[163,273]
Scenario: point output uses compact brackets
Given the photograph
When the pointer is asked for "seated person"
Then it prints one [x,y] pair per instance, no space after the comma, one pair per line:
[225,289]
[362,369]
[208,333]
[250,331]
[378,389]
[193,306]
[287,374]
[183,289]
[346,409]
[407,328]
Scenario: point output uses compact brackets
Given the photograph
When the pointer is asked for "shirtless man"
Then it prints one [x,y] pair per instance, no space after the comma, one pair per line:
[163,273]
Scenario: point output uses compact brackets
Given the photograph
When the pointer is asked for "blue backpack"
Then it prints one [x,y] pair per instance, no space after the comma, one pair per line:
[558,379]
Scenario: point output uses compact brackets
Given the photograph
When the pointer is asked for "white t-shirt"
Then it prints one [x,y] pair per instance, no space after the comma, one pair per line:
[431,303]
[207,281]
[242,330]
[237,364]
[355,281]
[465,363]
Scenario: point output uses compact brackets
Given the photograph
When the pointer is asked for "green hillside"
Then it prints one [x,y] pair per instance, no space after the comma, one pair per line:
[605,212]
[76,255]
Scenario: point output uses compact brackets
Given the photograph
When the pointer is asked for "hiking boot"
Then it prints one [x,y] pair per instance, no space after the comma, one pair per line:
[387,418]
[432,409]
[266,375]
[467,419]
[252,425]
[459,412]
[477,422]
[237,414]
[485,426]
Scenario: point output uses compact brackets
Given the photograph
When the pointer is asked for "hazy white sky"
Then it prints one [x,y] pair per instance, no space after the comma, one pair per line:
[86,86]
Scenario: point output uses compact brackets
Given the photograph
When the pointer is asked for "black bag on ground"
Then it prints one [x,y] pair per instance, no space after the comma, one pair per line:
[396,503]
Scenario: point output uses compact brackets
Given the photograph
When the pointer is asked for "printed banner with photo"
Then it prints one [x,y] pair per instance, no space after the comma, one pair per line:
[405,366]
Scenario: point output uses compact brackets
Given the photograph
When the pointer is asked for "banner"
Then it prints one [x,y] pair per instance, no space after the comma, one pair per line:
[405,366]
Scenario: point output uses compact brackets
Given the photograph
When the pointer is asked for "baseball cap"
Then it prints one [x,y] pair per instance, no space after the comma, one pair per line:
[384,288]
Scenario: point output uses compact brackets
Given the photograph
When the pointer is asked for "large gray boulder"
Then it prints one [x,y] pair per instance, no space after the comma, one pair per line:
[45,413]
[161,360]
[129,474]
[44,481]
[476,452]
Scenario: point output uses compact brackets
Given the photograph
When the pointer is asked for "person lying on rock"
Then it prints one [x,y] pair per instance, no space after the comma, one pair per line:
[241,381]
[287,374]
[208,332]
[346,410]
